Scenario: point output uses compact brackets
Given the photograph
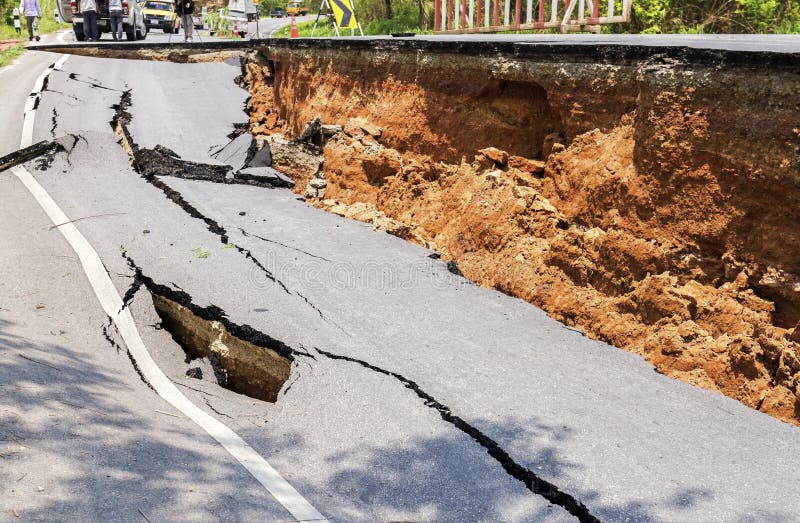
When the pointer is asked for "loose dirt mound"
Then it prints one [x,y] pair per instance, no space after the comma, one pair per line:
[654,206]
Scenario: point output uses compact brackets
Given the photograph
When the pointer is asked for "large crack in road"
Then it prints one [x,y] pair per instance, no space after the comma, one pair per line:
[183,318]
[119,124]
[532,481]
[244,360]
[153,164]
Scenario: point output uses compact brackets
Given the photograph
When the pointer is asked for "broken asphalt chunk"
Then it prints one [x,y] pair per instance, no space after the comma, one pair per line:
[266,175]
[29,153]
[260,157]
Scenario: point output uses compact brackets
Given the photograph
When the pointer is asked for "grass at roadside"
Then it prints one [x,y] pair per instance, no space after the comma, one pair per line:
[8,54]
[325,28]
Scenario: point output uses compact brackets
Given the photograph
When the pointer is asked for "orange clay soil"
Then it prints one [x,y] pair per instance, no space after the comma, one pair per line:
[664,219]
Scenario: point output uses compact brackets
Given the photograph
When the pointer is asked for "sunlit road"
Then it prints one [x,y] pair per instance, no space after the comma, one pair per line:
[413,396]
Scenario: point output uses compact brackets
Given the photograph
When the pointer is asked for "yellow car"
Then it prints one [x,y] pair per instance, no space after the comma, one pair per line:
[160,14]
[295,8]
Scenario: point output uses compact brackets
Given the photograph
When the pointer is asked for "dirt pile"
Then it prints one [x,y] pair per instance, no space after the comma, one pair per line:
[652,203]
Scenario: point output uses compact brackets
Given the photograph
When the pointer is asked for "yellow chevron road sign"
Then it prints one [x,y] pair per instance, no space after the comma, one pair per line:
[344,14]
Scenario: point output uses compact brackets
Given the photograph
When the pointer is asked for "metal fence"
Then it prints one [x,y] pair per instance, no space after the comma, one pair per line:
[491,16]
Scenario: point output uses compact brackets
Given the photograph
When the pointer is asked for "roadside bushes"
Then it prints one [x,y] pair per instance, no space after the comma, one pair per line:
[714,16]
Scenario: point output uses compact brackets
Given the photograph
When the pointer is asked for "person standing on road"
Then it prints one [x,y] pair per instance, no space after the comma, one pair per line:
[187,10]
[115,16]
[89,12]
[32,12]
[17,27]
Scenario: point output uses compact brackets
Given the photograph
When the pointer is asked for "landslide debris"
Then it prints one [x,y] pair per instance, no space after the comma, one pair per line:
[649,204]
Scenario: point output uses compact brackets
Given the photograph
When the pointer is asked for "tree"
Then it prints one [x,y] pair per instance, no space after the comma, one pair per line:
[265,6]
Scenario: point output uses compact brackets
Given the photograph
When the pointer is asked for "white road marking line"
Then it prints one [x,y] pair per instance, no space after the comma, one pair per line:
[30,103]
[111,302]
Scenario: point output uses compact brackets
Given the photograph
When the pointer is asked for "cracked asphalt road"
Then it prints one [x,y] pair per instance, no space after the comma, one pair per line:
[394,342]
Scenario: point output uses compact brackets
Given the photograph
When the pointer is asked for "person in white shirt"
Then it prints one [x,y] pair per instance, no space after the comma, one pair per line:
[17,27]
[89,12]
[32,12]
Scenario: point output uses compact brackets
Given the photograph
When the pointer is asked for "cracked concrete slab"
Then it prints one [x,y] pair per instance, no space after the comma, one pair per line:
[233,153]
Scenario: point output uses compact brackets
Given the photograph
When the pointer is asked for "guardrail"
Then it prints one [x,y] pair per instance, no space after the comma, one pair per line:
[484,16]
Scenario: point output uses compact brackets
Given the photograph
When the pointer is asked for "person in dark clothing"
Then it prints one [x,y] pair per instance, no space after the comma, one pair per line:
[186,10]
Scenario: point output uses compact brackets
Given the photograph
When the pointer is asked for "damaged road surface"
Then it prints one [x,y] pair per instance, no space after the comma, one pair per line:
[372,376]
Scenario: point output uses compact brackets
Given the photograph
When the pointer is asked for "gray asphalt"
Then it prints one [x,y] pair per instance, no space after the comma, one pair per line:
[359,444]
[730,42]
[17,80]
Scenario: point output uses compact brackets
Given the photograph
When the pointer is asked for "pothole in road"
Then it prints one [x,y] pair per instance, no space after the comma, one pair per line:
[240,365]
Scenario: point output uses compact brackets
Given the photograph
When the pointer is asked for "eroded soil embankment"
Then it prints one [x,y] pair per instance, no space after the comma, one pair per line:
[653,204]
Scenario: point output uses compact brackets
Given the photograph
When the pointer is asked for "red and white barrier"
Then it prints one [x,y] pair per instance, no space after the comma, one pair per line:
[483,16]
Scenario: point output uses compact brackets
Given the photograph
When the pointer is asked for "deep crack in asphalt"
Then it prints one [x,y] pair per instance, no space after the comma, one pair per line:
[55,123]
[120,125]
[533,482]
[213,313]
[243,359]
[107,335]
[136,284]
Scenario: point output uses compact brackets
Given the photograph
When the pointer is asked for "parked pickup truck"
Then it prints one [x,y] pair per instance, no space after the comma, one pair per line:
[132,23]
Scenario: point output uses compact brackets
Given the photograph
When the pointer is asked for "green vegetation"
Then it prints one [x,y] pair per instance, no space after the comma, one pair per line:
[47,24]
[7,55]
[648,16]
[713,16]
[201,253]
[376,17]
[216,21]
[265,6]
[405,20]
[324,28]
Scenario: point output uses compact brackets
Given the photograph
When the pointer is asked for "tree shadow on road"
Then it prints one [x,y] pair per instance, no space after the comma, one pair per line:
[66,427]
[450,478]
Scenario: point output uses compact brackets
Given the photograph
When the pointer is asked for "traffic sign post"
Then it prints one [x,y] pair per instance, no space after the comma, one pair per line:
[258,18]
[343,13]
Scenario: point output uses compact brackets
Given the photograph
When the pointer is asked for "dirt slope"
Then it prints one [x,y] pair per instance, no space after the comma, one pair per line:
[653,204]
